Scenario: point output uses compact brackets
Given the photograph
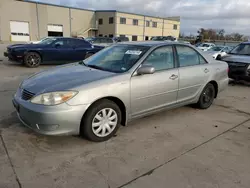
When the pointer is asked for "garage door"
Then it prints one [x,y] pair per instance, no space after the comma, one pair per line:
[55,30]
[19,31]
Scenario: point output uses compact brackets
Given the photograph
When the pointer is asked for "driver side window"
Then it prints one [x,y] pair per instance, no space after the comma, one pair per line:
[161,59]
[59,43]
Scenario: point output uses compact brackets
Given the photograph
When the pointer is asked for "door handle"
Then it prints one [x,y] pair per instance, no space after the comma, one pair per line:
[173,77]
[206,70]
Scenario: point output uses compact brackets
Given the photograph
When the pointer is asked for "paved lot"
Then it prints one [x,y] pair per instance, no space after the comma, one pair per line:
[181,148]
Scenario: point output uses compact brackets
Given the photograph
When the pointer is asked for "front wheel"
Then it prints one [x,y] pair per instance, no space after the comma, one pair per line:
[218,57]
[101,121]
[32,59]
[207,97]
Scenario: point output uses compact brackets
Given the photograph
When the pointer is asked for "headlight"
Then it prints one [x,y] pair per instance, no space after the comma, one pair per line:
[53,98]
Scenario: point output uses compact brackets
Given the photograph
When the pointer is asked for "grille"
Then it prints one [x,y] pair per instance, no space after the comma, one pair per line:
[26,95]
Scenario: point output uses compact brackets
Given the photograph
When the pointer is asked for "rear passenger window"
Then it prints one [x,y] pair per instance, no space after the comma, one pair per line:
[188,56]
[161,58]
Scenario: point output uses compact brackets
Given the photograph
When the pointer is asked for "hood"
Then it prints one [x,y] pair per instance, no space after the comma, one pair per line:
[27,46]
[63,78]
[237,58]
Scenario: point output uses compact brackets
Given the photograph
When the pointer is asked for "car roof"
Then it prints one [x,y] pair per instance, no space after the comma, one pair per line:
[248,42]
[152,43]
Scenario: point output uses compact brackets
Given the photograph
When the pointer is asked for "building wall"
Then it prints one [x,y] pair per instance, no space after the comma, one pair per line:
[106,28]
[164,26]
[169,28]
[53,15]
[11,10]
[153,31]
[82,21]
[79,22]
[129,29]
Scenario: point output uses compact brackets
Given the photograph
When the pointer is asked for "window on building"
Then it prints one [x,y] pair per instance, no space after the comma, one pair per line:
[175,27]
[100,35]
[111,20]
[135,22]
[111,35]
[122,20]
[147,23]
[154,24]
[100,21]
[146,38]
[134,38]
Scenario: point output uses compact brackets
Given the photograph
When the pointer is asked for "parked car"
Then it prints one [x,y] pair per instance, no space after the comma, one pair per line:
[219,51]
[101,41]
[164,38]
[118,84]
[51,50]
[206,46]
[238,60]
[185,42]
[121,39]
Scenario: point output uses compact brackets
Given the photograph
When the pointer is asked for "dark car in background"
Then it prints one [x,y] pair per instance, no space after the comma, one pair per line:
[163,38]
[57,50]
[121,39]
[238,60]
[100,41]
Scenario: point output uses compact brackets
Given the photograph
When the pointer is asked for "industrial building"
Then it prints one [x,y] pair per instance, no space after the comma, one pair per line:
[24,20]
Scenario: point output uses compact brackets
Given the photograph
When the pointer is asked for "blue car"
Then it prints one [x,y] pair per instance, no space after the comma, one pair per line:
[57,50]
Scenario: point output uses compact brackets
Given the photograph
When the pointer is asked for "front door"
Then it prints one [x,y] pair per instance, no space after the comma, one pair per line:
[150,92]
[194,73]
[59,52]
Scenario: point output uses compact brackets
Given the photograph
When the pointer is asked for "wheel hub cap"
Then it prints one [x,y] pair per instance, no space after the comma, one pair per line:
[104,122]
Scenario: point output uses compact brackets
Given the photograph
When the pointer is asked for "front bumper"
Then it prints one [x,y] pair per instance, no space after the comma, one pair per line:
[239,73]
[60,119]
[14,57]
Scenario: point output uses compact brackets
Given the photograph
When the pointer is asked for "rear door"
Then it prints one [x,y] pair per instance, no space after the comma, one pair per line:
[59,51]
[194,72]
[154,91]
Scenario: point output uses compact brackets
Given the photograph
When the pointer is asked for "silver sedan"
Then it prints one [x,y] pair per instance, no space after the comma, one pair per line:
[120,83]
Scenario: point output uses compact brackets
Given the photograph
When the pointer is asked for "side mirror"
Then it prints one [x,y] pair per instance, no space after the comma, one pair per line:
[146,69]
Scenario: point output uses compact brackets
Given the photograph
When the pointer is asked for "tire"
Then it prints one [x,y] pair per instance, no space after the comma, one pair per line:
[88,55]
[206,99]
[32,59]
[218,57]
[93,124]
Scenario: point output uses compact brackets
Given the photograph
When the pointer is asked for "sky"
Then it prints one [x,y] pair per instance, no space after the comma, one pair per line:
[231,15]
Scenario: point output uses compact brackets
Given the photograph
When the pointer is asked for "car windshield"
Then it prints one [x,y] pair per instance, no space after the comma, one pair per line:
[117,58]
[241,49]
[216,48]
[47,41]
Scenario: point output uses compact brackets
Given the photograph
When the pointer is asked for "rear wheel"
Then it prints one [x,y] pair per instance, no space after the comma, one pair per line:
[32,59]
[101,121]
[218,57]
[207,97]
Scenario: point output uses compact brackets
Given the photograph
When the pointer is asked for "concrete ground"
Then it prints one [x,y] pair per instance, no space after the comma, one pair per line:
[181,148]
